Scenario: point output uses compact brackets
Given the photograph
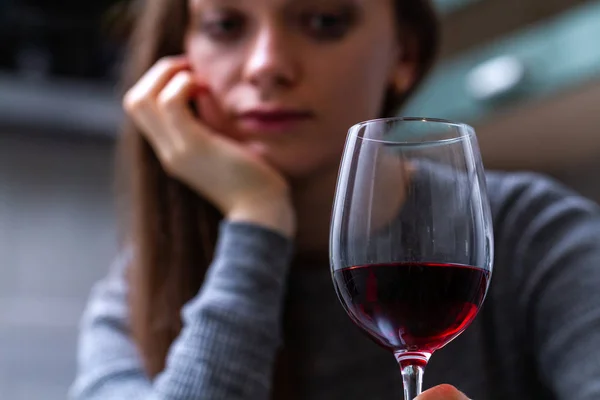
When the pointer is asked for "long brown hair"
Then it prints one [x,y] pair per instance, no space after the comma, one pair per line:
[173,230]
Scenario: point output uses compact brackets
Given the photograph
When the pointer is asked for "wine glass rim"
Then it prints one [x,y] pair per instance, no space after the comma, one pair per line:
[466,130]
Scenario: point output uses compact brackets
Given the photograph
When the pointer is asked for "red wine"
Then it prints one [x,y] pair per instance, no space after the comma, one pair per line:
[412,306]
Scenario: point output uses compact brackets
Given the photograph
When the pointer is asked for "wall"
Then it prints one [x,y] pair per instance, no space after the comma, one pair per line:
[57,237]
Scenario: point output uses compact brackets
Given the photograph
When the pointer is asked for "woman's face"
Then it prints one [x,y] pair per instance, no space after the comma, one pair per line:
[289,77]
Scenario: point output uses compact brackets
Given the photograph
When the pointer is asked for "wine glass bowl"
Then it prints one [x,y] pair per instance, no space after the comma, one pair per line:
[412,308]
[411,237]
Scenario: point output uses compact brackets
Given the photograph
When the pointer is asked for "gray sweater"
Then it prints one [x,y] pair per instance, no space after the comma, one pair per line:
[537,336]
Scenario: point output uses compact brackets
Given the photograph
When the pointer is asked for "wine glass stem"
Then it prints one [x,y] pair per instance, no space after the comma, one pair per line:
[412,377]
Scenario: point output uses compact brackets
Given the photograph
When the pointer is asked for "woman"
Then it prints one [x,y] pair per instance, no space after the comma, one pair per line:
[239,113]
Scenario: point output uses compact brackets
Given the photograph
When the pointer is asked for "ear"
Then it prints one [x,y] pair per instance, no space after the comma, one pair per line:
[404,76]
[404,71]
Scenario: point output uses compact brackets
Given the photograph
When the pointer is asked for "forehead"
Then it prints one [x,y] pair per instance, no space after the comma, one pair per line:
[199,3]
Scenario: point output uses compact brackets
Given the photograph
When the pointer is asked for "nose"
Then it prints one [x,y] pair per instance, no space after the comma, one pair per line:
[271,63]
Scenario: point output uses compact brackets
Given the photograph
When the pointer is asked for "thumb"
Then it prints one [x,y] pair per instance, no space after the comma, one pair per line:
[442,392]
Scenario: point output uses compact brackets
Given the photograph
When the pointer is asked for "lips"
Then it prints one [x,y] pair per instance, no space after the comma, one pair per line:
[273,120]
[276,115]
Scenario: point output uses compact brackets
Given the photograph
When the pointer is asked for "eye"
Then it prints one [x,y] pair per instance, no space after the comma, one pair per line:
[327,25]
[223,26]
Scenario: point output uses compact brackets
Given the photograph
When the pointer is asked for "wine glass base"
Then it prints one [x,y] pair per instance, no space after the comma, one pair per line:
[406,358]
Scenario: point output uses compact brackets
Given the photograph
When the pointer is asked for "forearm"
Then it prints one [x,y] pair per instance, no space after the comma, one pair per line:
[232,328]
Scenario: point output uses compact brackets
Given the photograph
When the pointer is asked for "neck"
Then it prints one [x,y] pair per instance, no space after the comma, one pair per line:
[313,200]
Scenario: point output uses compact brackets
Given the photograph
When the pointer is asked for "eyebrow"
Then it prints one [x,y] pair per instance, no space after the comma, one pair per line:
[196,3]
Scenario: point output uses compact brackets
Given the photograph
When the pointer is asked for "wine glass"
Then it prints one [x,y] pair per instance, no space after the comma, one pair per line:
[411,243]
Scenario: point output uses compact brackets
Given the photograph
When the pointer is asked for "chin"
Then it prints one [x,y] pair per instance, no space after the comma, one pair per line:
[302,169]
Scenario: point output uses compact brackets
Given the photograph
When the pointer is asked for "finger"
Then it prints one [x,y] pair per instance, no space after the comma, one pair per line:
[161,73]
[173,106]
[140,99]
[442,392]
[151,128]
[154,80]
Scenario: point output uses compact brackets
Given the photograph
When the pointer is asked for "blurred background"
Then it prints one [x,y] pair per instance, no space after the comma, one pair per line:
[525,73]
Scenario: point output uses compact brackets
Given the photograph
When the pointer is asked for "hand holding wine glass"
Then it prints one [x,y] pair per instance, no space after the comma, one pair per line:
[411,237]
[442,392]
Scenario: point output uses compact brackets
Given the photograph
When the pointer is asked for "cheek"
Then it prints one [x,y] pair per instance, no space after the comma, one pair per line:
[351,90]
[214,72]
[349,94]
[211,114]
[368,82]
[360,85]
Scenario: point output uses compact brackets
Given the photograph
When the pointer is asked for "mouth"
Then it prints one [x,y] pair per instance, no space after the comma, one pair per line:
[276,120]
